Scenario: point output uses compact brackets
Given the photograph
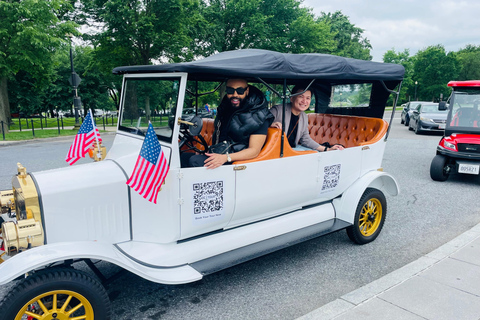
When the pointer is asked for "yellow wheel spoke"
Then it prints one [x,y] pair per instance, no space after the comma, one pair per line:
[42,306]
[78,306]
[55,299]
[66,303]
[33,315]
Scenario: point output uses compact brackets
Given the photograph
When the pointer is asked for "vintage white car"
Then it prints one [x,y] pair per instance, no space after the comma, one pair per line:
[204,220]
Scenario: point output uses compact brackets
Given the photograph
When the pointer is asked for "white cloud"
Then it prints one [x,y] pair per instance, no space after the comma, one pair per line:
[409,24]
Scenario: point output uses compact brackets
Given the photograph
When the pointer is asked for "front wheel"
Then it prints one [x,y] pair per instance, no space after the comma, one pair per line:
[59,293]
[439,170]
[369,217]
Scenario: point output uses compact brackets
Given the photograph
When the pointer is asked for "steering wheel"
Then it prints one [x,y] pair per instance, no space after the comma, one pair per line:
[190,135]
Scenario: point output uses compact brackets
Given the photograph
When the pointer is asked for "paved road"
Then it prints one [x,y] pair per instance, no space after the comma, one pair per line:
[297,280]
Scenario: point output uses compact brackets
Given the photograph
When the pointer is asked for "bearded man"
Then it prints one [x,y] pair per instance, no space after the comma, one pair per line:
[242,120]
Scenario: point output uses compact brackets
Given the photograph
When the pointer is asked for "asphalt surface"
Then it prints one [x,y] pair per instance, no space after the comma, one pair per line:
[296,281]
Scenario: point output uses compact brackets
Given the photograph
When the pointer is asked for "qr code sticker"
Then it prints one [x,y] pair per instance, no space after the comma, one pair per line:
[331,176]
[207,197]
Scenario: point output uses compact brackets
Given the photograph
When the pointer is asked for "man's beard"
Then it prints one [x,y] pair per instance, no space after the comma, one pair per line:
[240,105]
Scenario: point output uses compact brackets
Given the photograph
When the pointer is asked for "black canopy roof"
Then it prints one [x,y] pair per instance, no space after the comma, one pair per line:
[271,66]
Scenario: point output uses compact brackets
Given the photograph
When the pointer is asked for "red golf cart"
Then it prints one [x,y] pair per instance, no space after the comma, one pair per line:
[459,149]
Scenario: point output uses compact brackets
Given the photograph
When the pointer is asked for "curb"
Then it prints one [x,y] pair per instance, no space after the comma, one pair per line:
[363,294]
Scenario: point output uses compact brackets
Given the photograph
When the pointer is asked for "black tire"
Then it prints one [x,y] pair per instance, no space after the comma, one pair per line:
[417,131]
[410,127]
[369,217]
[407,121]
[64,284]
[402,121]
[438,168]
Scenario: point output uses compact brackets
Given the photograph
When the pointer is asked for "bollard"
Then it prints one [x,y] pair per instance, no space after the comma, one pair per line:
[33,129]
[26,120]
[20,123]
[58,125]
[103,120]
[3,132]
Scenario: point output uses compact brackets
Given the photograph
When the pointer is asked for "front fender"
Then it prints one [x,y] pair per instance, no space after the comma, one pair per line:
[39,257]
[346,205]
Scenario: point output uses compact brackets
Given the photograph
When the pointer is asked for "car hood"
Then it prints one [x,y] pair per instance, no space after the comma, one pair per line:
[84,202]
[435,116]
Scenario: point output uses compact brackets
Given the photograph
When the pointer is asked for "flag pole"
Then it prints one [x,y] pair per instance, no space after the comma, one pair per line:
[99,151]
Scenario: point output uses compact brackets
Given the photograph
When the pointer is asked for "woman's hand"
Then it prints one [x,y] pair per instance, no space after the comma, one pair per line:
[215,160]
[277,125]
[336,147]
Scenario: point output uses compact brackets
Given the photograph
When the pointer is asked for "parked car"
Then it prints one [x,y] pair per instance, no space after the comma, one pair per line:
[407,111]
[459,149]
[203,220]
[427,117]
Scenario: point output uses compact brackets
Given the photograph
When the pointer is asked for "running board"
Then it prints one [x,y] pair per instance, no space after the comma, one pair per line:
[252,251]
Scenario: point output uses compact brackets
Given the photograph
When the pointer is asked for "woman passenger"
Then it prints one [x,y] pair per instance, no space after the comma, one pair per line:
[296,122]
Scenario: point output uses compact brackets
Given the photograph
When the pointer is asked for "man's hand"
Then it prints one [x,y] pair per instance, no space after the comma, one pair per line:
[215,160]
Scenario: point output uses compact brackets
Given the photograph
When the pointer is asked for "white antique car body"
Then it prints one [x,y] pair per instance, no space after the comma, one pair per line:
[260,205]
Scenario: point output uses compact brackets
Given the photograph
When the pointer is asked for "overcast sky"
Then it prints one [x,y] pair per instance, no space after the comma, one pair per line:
[409,24]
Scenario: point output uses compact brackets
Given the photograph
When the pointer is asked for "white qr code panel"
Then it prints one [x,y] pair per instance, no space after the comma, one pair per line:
[208,200]
[331,177]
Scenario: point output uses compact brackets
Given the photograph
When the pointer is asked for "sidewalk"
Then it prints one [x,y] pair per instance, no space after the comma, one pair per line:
[443,284]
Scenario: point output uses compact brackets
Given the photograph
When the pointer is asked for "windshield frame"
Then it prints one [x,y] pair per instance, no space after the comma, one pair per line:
[182,77]
[458,91]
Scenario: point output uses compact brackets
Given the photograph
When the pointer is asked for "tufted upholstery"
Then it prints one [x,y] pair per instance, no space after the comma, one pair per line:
[207,132]
[349,131]
[271,148]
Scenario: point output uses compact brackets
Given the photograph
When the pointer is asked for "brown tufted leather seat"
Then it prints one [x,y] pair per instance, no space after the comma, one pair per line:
[207,132]
[349,131]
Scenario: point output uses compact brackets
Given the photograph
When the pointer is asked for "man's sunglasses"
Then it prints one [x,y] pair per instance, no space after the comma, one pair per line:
[239,90]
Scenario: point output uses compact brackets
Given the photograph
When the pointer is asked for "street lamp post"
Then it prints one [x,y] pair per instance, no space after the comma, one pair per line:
[416,82]
[75,81]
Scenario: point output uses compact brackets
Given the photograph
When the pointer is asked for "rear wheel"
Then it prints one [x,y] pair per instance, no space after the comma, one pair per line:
[60,293]
[369,217]
[439,170]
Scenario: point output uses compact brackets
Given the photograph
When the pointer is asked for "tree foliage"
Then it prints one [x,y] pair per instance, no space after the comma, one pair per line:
[433,69]
[348,38]
[469,59]
[30,33]
[407,91]
[279,25]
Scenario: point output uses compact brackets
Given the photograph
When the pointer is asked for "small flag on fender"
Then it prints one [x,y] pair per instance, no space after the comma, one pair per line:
[150,169]
[86,136]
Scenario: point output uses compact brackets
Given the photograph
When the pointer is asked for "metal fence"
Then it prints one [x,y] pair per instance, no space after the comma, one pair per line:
[32,124]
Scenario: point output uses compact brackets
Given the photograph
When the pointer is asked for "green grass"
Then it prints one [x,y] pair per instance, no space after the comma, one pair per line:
[28,135]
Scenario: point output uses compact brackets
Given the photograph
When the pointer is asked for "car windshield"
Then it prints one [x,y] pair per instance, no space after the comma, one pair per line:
[431,108]
[465,111]
[149,100]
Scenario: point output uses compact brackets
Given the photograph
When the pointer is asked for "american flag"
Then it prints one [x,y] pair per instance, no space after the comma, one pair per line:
[151,168]
[85,137]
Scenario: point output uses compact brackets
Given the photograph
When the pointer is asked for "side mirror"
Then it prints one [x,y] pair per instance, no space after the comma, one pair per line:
[442,105]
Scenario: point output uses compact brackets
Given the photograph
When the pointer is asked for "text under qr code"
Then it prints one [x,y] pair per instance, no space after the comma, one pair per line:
[331,176]
[207,197]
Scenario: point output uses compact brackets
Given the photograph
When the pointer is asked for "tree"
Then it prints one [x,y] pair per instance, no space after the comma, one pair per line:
[469,59]
[30,33]
[136,32]
[408,84]
[433,69]
[348,38]
[279,25]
